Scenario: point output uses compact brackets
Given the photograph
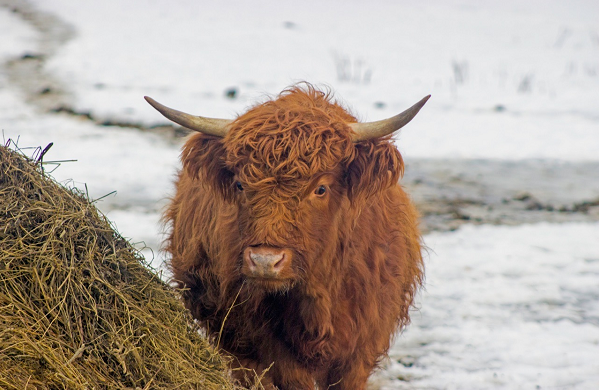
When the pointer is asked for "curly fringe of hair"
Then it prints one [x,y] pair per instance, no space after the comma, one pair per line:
[299,134]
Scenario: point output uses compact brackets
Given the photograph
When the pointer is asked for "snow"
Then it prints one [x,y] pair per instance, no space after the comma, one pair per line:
[22,36]
[498,73]
[504,307]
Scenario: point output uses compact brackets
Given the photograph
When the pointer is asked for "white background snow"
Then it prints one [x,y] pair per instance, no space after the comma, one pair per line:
[504,307]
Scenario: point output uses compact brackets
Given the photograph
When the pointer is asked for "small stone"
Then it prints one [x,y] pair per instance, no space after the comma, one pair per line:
[231,93]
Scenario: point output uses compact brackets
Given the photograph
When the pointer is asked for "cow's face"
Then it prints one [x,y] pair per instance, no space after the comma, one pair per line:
[289,186]
[297,181]
[288,229]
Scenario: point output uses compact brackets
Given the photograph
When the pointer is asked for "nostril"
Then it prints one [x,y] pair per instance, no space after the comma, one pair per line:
[278,263]
[249,259]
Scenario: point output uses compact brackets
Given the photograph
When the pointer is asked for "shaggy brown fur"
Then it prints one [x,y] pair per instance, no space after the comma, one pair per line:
[356,261]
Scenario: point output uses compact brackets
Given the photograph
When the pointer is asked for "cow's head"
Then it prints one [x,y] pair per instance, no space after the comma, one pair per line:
[297,168]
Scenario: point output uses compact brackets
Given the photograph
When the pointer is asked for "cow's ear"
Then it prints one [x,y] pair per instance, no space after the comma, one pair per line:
[376,166]
[203,159]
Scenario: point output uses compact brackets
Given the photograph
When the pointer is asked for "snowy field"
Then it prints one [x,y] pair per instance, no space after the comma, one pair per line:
[504,307]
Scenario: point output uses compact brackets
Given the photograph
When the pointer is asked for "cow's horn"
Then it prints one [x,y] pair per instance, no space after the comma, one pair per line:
[369,130]
[212,126]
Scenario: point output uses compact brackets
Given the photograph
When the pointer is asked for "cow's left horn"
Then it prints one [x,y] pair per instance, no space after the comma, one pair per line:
[369,130]
[212,126]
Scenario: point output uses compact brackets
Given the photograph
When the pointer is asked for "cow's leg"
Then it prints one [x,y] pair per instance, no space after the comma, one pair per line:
[352,376]
[286,372]
[291,376]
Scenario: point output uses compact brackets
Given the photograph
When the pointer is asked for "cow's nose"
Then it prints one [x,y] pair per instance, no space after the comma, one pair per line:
[265,261]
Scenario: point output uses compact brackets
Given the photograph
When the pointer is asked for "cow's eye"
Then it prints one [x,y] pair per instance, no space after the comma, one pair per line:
[320,190]
[239,186]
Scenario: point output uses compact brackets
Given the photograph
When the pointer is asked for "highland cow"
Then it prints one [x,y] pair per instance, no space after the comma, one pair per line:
[298,251]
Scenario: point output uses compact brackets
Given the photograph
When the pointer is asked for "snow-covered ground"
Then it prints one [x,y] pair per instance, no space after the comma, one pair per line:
[504,307]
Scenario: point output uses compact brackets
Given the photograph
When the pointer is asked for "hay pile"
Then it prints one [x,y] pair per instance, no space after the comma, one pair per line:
[77,307]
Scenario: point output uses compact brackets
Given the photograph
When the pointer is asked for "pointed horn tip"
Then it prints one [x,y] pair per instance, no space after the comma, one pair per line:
[151,101]
[424,99]
[421,103]
[164,110]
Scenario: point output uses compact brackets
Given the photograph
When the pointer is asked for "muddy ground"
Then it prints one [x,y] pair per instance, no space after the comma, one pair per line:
[450,193]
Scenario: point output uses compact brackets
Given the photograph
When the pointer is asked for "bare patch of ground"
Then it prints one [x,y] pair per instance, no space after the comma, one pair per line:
[450,193]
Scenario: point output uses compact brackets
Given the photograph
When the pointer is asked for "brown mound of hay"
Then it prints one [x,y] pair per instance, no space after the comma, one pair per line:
[78,309]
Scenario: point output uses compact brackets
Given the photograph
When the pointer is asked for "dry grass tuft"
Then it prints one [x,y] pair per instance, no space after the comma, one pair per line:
[78,308]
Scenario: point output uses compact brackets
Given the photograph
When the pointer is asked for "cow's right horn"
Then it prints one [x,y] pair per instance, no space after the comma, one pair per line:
[370,130]
[211,126]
